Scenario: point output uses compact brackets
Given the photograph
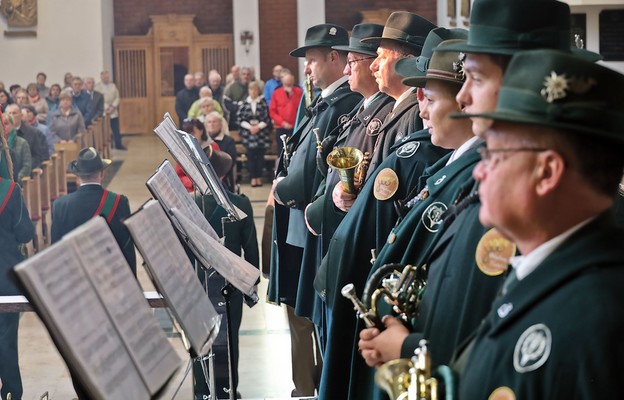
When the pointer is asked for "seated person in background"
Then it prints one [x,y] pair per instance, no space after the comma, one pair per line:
[206,106]
[283,107]
[29,116]
[38,102]
[5,100]
[91,200]
[15,228]
[204,93]
[66,121]
[240,237]
[36,140]
[21,96]
[197,129]
[19,149]
[53,100]
[217,129]
[80,98]
[254,122]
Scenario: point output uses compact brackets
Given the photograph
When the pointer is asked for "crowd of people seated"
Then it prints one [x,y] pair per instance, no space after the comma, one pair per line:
[62,112]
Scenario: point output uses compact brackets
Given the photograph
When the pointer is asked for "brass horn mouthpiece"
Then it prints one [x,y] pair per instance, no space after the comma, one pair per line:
[370,319]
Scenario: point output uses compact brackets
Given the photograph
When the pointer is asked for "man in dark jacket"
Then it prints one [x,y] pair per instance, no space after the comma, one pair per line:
[91,200]
[186,97]
[15,228]
[37,141]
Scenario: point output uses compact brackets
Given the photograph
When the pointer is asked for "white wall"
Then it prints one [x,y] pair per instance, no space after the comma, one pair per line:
[72,36]
[246,18]
[309,13]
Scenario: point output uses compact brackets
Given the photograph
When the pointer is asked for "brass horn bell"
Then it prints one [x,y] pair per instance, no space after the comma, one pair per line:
[346,160]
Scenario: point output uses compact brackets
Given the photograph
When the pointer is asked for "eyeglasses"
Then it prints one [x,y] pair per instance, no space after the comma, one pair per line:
[349,63]
[486,154]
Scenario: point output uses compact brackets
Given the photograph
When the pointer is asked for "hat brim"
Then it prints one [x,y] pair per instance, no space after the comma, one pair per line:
[514,117]
[73,167]
[406,67]
[505,51]
[377,41]
[421,81]
[301,51]
[354,50]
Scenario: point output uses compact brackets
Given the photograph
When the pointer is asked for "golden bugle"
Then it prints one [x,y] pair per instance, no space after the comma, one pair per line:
[405,379]
[346,160]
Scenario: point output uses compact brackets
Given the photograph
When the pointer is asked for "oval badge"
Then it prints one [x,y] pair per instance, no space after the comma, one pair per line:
[386,184]
[408,149]
[432,217]
[493,253]
[532,349]
[372,129]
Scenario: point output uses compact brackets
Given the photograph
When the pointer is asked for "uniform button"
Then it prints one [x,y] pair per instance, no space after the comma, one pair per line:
[391,238]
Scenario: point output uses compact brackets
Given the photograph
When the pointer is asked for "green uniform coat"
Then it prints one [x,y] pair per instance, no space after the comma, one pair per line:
[557,333]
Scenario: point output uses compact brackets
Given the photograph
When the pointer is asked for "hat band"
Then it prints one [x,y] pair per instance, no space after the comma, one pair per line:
[495,37]
[392,33]
[441,74]
[355,43]
[523,102]
[422,63]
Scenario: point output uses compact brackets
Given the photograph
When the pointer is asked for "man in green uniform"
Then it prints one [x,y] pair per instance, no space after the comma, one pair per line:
[547,181]
[463,277]
[297,180]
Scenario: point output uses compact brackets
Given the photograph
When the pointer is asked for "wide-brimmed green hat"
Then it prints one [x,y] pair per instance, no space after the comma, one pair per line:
[505,27]
[88,162]
[561,90]
[323,35]
[447,66]
[359,32]
[404,27]
[417,66]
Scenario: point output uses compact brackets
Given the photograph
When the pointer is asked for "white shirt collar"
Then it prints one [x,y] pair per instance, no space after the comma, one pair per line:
[463,148]
[331,88]
[403,96]
[525,264]
[369,100]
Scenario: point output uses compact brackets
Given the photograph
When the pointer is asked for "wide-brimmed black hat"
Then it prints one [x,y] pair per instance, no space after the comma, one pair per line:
[505,27]
[561,90]
[359,32]
[417,66]
[323,35]
[404,27]
[88,162]
[447,66]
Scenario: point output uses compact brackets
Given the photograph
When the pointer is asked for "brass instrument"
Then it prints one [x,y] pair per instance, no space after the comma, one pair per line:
[370,319]
[405,379]
[286,158]
[308,88]
[346,161]
[402,290]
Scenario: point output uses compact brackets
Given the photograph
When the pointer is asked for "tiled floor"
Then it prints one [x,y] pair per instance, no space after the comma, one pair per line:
[264,366]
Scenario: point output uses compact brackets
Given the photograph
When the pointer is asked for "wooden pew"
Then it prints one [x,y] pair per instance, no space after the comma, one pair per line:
[35,207]
[54,177]
[46,202]
[68,151]
[61,172]
[108,137]
[26,194]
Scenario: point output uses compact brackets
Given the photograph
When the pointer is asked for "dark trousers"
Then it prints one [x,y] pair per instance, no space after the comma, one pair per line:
[9,365]
[114,123]
[306,356]
[255,162]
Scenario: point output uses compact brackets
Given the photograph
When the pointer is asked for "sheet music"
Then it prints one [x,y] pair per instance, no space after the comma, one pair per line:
[171,193]
[173,275]
[241,274]
[166,131]
[119,290]
[79,324]
[214,182]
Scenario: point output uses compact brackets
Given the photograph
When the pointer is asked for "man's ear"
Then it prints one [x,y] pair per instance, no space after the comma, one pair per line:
[549,171]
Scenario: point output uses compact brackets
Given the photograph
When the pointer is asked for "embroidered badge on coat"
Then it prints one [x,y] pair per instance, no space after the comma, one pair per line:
[532,349]
[386,184]
[372,129]
[432,217]
[408,149]
[343,119]
[493,253]
[502,393]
